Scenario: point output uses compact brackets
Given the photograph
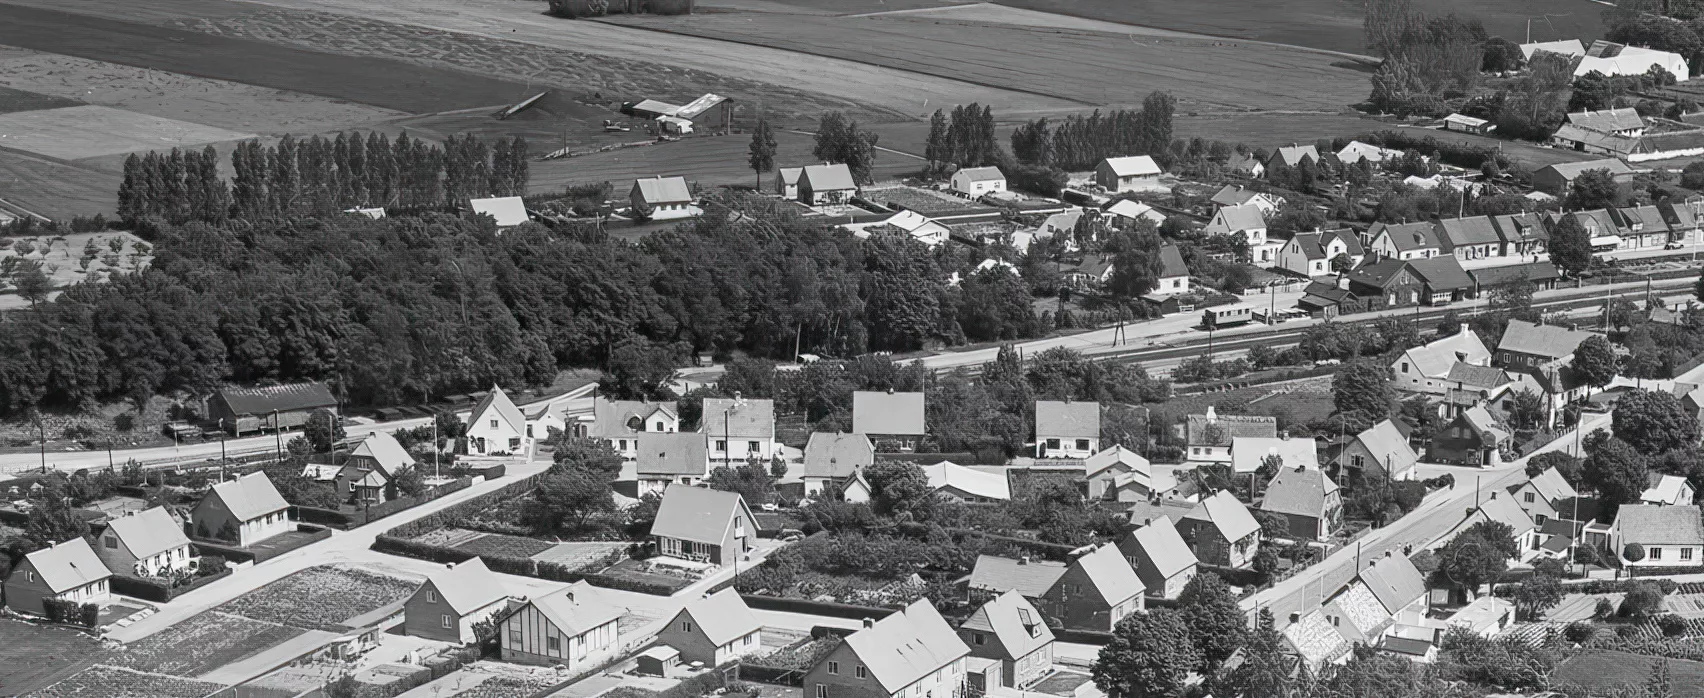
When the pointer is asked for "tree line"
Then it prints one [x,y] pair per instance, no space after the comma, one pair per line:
[320,176]
[1080,142]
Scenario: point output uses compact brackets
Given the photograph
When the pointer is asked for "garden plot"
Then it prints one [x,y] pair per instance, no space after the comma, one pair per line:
[574,555]
[72,258]
[101,680]
[504,546]
[74,133]
[202,644]
[32,655]
[320,597]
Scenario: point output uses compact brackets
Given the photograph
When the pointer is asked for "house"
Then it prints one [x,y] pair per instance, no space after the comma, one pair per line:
[1248,453]
[1325,301]
[669,458]
[1209,436]
[1472,386]
[1486,616]
[1426,368]
[1247,222]
[1671,536]
[370,468]
[1174,275]
[69,571]
[1389,591]
[1127,173]
[909,654]
[1061,225]
[244,511]
[1238,195]
[714,629]
[452,601]
[976,181]
[1472,438]
[496,426]
[1442,280]
[1528,345]
[148,543]
[620,422]
[1557,385]
[739,430]
[1170,507]
[832,459]
[1160,556]
[1403,241]
[1221,531]
[1667,490]
[1316,253]
[1473,237]
[703,525]
[1094,271]
[1066,429]
[1572,137]
[1641,227]
[1522,234]
[508,211]
[1357,151]
[1292,156]
[1382,450]
[892,421]
[1467,124]
[1611,59]
[1010,630]
[827,184]
[243,410]
[575,626]
[1092,592]
[1312,639]
[661,198]
[1106,470]
[1684,220]
[1247,164]
[1499,509]
[787,182]
[1558,178]
[1542,275]
[913,225]
[1388,283]
[1543,496]
[954,481]
[1308,499]
[1126,213]
[1602,227]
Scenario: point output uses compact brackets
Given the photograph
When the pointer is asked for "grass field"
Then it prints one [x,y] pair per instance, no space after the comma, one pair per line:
[54,189]
[706,160]
[33,655]
[86,131]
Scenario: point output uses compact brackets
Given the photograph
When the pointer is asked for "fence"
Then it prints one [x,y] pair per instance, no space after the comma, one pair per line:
[158,590]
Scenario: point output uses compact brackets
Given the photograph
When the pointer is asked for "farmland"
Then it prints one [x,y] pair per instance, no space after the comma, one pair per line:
[55,189]
[338,593]
[35,654]
[201,644]
[103,680]
[706,160]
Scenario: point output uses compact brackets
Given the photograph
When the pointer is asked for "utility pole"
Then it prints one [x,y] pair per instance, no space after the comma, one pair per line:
[43,429]
[278,434]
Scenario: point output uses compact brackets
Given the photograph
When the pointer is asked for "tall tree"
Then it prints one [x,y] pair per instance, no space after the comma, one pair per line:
[937,150]
[1570,246]
[1363,387]
[897,486]
[1592,189]
[1217,626]
[131,206]
[1150,656]
[762,151]
[1594,361]
[284,186]
[1478,555]
[1653,422]
[216,195]
[1616,470]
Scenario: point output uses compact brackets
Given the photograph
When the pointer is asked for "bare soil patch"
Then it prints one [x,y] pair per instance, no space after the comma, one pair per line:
[18,100]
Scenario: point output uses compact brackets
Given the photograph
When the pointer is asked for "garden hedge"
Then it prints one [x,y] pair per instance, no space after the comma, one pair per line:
[87,615]
[818,608]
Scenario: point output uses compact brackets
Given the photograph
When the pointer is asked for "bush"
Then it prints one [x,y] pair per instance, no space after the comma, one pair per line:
[1605,608]
[1671,625]
[1578,632]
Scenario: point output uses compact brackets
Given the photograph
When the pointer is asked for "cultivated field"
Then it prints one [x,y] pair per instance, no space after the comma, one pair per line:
[61,256]
[18,100]
[32,655]
[706,160]
[54,189]
[201,644]
[338,594]
[102,680]
[74,133]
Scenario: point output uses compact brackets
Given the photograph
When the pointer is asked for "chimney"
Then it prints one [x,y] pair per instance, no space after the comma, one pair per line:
[449,565]
[890,390]
[869,622]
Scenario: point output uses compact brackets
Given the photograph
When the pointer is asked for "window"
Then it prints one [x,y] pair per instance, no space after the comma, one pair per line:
[529,431]
[722,446]
[431,596]
[1082,444]
[862,672]
[751,447]
[1656,553]
[686,626]
[111,543]
[750,639]
[1357,460]
[1052,444]
[553,644]
[822,691]
[979,638]
[834,668]
[444,621]
[29,575]
[1405,367]
[493,424]
[515,634]
[1530,497]
[1685,553]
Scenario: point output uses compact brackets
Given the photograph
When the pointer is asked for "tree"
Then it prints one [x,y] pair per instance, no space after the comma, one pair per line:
[567,499]
[1566,465]
[1653,421]
[1594,361]
[1150,656]
[762,149]
[897,486]
[1363,388]
[1526,409]
[1592,189]
[1478,555]
[32,283]
[1217,626]
[1633,552]
[1539,593]
[1643,600]
[1570,246]
[1267,665]
[936,149]
[1501,55]
[54,521]
[591,455]
[1616,470]
[323,430]
[409,481]
[751,481]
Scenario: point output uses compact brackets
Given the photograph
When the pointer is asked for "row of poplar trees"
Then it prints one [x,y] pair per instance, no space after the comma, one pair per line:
[320,176]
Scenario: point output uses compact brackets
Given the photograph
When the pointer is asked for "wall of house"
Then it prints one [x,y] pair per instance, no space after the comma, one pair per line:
[526,640]
[1208,454]
[1056,447]
[119,558]
[1406,376]
[1534,504]
[423,617]
[485,438]
[739,449]
[1074,600]
[843,681]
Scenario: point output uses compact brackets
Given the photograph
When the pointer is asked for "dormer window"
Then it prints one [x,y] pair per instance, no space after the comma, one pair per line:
[635,424]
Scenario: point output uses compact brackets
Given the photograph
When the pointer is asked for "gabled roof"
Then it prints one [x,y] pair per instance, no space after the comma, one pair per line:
[1407,237]
[1471,375]
[1552,486]
[249,497]
[1292,155]
[1434,359]
[1067,420]
[1653,523]
[1664,489]
[1380,274]
[907,646]
[1387,443]
[1608,120]
[671,453]
[507,210]
[698,514]
[1132,166]
[1541,340]
[746,418]
[1012,619]
[790,175]
[1504,510]
[497,403]
[981,174]
[1570,170]
[1227,514]
[1240,218]
[1351,243]
[69,565]
[1311,245]
[1247,453]
[1163,545]
[663,190]
[1093,265]
[1166,508]
[467,586]
[1441,273]
[1141,471]
[610,417]
[1396,581]
[1472,230]
[1520,227]
[1171,262]
[722,616]
[1566,47]
[968,480]
[1237,194]
[1357,151]
[829,177]
[1110,574]
[149,532]
[578,607]
[837,455]
[1535,272]
[888,413]
[1482,423]
[1315,640]
[1133,209]
[1298,490]
[283,398]
[386,451]
[1031,578]
[1363,610]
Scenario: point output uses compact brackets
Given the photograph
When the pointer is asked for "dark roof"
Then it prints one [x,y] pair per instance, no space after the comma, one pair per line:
[1378,274]
[1541,340]
[1298,490]
[1441,273]
[283,398]
[1233,425]
[1407,236]
[1477,376]
[1608,120]
[1532,271]
[670,453]
[1171,262]
[1473,230]
[1520,227]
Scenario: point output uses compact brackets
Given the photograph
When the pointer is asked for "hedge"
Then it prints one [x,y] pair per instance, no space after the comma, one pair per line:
[239,554]
[156,589]
[818,608]
[526,567]
[337,518]
[87,615]
[1051,551]
[1082,637]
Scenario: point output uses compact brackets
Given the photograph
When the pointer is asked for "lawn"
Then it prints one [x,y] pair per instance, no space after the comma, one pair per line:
[202,644]
[635,570]
[1296,403]
[36,654]
[103,680]
[337,593]
[505,546]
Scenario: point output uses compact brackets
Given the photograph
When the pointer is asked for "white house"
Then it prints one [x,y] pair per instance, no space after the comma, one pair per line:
[1174,274]
[787,182]
[953,481]
[1208,437]
[1127,173]
[1404,240]
[915,226]
[496,426]
[976,181]
[738,430]
[1668,536]
[620,422]
[146,544]
[1357,151]
[826,184]
[1426,368]
[1126,212]
[1247,221]
[1668,490]
[912,653]
[1237,195]
[666,458]
[575,626]
[1066,429]
[1311,254]
[662,198]
[243,511]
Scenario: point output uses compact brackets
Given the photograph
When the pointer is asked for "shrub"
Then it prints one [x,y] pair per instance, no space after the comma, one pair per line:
[1605,608]
[1643,600]
[1671,625]
[1578,632]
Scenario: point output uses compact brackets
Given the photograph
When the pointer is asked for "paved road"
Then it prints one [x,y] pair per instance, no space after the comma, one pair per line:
[575,400]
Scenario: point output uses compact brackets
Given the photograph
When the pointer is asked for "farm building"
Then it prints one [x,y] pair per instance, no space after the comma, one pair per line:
[243,410]
[1127,173]
[1611,58]
[68,571]
[710,112]
[787,182]
[1466,124]
[662,198]
[1556,179]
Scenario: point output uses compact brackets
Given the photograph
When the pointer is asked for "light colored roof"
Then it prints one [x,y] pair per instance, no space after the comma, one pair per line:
[1237,194]
[1387,443]
[790,175]
[1566,47]
[1300,491]
[1542,340]
[970,481]
[1315,640]
[578,607]
[887,413]
[1435,358]
[498,403]
[663,190]
[1110,574]
[323,472]
[1654,523]
[1665,490]
[1396,581]
[610,417]
[1132,166]
[1093,465]
[1481,421]
[1030,578]
[1357,151]
[1363,609]
[384,450]
[1607,141]
[68,565]
[508,210]
[1225,513]
[671,453]
[1248,452]
[698,514]
[1166,508]
[283,398]
[1012,619]
[1131,208]
[829,177]
[149,532]
[1504,510]
[1570,170]
[907,646]
[746,418]
[1465,120]
[657,107]
[981,174]
[1239,218]
[700,105]
[723,616]
[1067,420]
[250,497]
[837,455]
[1164,546]
[1552,486]
[1292,155]
[467,586]
[1482,614]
